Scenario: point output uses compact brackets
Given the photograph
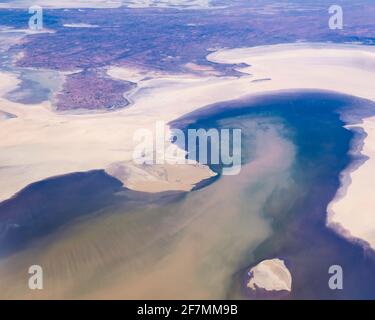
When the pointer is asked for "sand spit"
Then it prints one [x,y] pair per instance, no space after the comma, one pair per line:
[159,178]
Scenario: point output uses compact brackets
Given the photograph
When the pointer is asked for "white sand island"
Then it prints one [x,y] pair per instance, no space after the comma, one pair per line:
[39,143]
[270,275]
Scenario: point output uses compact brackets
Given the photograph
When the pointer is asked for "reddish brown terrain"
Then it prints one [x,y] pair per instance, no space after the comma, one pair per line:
[88,90]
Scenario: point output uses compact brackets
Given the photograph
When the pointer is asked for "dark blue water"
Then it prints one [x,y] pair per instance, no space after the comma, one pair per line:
[45,206]
[314,122]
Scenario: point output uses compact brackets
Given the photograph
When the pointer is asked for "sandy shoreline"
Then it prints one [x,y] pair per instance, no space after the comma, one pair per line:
[40,143]
[351,213]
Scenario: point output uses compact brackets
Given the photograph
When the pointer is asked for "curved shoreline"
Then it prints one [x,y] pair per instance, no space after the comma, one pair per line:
[292,66]
[349,213]
[243,229]
[304,223]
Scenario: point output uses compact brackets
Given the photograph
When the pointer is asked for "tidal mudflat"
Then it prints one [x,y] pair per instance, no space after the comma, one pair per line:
[103,240]
[200,244]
